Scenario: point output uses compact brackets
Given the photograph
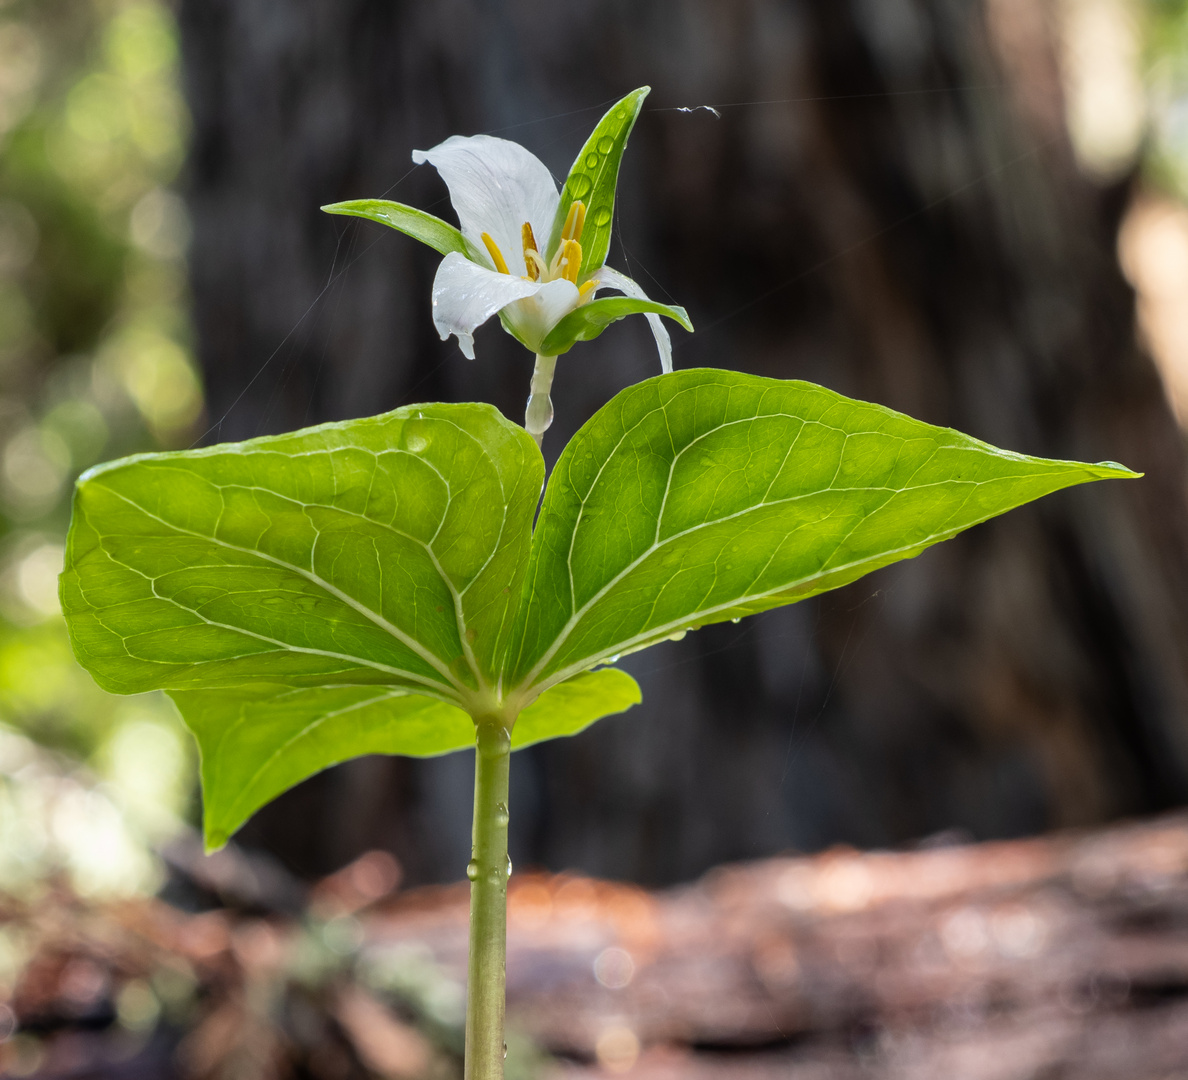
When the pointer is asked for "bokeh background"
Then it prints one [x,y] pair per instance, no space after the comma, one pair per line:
[973,212]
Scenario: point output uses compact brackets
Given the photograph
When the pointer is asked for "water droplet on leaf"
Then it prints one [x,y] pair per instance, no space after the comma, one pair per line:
[591,160]
[602,215]
[678,635]
[606,144]
[580,185]
[472,869]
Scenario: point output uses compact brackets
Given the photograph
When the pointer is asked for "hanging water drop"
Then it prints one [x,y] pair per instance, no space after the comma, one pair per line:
[509,866]
[505,1050]
[614,659]
[539,414]
[678,635]
[736,620]
[472,870]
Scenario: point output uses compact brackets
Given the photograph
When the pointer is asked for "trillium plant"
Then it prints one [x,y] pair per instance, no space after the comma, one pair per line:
[388,585]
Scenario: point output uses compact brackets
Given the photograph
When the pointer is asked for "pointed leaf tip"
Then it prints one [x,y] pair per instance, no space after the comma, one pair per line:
[594,177]
[432,231]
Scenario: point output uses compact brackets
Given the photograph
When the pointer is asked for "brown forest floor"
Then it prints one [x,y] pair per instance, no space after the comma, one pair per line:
[1059,957]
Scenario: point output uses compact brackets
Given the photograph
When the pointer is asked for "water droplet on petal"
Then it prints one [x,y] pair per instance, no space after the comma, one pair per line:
[591,160]
[606,144]
[472,869]
[620,114]
[602,215]
[579,186]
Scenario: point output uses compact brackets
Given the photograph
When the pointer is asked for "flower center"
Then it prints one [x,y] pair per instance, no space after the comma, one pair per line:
[566,263]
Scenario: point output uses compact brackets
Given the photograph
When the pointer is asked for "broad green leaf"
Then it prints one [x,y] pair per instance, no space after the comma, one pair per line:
[259,740]
[438,234]
[575,704]
[707,495]
[593,179]
[588,321]
[385,551]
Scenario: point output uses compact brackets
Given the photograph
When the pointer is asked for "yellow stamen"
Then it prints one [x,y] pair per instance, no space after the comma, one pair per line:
[574,221]
[530,249]
[496,255]
[587,288]
[571,255]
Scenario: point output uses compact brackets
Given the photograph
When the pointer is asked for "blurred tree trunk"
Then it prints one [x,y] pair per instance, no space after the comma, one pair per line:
[894,212]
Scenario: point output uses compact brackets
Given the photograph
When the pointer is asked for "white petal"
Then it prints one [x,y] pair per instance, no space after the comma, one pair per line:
[466,295]
[533,317]
[495,186]
[612,279]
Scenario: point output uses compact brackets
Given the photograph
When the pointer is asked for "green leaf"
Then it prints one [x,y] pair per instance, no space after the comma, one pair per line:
[438,234]
[707,495]
[260,739]
[385,552]
[588,321]
[572,706]
[593,179]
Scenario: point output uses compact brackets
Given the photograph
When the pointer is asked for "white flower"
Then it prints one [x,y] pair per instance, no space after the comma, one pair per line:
[515,255]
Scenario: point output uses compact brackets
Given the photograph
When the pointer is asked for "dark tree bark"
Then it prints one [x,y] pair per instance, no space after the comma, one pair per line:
[893,211]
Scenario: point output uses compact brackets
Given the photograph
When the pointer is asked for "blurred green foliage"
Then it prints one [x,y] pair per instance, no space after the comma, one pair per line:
[94,363]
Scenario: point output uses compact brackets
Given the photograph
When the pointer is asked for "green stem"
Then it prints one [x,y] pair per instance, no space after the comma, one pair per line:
[539,414]
[488,872]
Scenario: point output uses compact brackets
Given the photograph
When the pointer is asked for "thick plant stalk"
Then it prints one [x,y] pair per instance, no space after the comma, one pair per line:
[488,872]
[539,414]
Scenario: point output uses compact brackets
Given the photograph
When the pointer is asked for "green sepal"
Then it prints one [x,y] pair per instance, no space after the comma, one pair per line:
[593,179]
[588,321]
[439,235]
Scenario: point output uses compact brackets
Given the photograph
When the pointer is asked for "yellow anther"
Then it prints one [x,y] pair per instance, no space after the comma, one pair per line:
[496,255]
[530,249]
[574,221]
[587,288]
[571,256]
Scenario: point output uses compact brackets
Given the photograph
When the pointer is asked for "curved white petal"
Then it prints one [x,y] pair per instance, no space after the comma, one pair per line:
[495,186]
[466,295]
[533,317]
[609,278]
